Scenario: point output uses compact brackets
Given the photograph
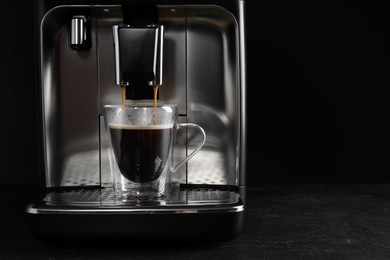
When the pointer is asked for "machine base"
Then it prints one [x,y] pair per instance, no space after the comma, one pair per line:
[196,216]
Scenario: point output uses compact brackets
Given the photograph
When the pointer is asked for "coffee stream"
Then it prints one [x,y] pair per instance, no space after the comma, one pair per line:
[155,91]
[123,91]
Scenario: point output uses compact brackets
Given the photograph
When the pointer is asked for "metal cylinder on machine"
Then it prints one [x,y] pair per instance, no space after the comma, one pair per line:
[138,48]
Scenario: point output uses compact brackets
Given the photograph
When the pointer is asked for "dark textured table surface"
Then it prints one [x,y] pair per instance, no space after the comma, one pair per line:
[282,221]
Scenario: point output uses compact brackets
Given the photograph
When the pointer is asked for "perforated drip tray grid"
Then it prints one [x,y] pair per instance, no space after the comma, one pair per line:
[107,197]
[104,199]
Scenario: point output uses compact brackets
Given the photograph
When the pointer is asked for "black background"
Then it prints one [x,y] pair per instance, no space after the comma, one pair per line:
[317,106]
[320,72]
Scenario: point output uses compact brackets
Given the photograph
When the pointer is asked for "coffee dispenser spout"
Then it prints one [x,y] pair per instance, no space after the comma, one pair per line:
[138,55]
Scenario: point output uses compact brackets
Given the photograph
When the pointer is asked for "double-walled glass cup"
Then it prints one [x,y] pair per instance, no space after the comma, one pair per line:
[141,147]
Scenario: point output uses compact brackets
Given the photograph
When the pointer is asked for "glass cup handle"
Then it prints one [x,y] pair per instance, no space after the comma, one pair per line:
[196,149]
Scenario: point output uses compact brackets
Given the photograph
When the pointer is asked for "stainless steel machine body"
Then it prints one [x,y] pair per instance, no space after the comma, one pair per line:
[203,72]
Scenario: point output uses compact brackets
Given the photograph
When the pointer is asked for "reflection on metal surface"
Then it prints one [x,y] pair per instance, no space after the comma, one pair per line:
[81,169]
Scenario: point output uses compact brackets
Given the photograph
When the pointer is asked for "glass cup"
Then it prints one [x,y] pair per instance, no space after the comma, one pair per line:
[141,147]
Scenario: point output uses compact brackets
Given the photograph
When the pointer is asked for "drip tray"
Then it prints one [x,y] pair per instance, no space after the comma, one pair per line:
[104,200]
[97,216]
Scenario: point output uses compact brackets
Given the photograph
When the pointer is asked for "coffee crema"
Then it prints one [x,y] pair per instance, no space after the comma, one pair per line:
[141,151]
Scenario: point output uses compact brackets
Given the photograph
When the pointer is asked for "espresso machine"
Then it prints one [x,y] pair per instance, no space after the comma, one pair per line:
[87,53]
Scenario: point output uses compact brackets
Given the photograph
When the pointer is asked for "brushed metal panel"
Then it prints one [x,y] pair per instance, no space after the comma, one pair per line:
[213,92]
[69,94]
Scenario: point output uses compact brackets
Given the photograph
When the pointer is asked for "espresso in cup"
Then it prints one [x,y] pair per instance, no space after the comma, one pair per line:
[141,149]
[141,152]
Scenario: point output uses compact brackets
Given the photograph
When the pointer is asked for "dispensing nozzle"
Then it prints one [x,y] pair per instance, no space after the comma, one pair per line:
[138,54]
